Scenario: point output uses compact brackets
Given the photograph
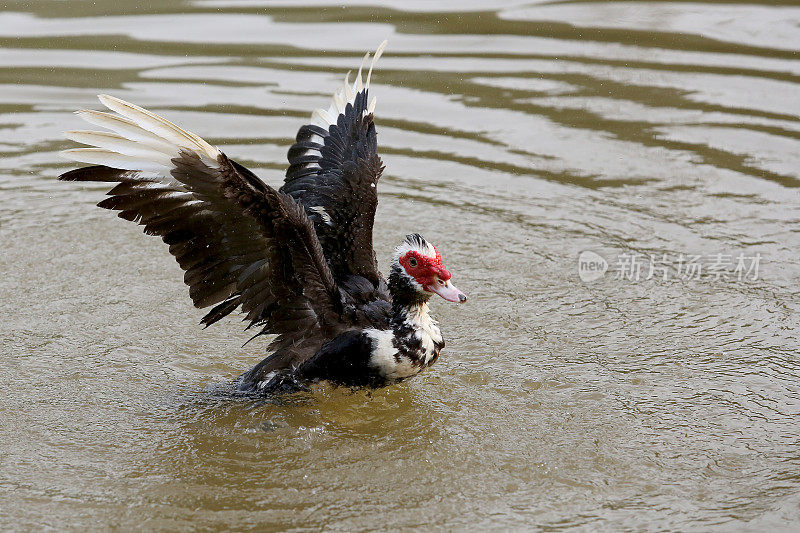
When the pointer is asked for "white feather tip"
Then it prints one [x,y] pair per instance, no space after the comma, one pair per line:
[162,127]
[375,58]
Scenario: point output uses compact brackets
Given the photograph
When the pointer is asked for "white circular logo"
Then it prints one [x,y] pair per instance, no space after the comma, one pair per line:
[591,266]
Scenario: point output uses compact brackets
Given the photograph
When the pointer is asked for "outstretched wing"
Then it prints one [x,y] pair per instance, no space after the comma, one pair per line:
[334,170]
[241,242]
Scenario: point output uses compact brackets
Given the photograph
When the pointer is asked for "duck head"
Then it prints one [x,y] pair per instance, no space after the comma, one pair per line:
[418,272]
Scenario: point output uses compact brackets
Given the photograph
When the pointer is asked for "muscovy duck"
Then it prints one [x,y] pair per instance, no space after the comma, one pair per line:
[298,262]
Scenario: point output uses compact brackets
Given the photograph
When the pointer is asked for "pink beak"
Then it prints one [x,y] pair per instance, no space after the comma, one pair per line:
[448,291]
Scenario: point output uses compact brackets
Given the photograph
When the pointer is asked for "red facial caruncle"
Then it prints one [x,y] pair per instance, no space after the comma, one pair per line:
[431,274]
[423,268]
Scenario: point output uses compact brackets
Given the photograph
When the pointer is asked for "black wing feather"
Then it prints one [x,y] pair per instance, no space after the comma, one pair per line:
[337,170]
[240,242]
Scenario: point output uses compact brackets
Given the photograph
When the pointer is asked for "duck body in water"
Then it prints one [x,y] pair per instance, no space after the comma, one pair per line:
[298,262]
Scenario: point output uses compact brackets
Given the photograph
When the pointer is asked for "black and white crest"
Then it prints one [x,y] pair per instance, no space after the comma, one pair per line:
[415,242]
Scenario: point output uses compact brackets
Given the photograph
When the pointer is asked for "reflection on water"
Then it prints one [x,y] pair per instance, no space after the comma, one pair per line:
[516,135]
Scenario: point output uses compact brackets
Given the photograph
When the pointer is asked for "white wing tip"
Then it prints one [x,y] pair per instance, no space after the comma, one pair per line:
[159,125]
[381,48]
[341,97]
[322,118]
[108,98]
[78,136]
[141,140]
[66,154]
[375,58]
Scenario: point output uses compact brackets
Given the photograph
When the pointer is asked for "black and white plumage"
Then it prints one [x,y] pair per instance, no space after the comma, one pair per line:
[298,262]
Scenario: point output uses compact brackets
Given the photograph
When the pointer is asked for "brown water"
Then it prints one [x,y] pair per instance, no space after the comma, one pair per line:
[515,136]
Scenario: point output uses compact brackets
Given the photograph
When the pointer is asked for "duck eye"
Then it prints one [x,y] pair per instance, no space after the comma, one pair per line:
[412,262]
[441,281]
